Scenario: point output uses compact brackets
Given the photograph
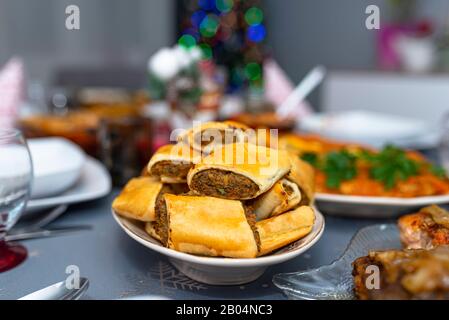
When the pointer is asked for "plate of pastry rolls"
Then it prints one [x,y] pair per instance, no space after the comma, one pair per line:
[221,205]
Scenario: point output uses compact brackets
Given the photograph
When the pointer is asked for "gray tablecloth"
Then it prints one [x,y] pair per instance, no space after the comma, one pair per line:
[119,267]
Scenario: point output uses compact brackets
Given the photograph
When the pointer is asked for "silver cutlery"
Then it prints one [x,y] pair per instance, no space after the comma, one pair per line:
[35,234]
[49,217]
[59,291]
[42,221]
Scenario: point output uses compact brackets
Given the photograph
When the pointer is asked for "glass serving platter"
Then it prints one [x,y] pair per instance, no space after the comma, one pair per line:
[335,281]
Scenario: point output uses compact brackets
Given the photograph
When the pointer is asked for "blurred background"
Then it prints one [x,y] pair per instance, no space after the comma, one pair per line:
[164,63]
[121,35]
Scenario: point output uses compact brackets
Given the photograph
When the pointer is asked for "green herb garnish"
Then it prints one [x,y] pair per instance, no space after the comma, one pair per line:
[339,166]
[311,158]
[391,165]
[438,171]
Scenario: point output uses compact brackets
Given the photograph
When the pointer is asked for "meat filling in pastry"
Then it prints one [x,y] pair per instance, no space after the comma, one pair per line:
[240,171]
[171,163]
[224,184]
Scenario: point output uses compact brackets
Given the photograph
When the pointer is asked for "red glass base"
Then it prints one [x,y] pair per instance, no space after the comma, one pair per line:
[11,255]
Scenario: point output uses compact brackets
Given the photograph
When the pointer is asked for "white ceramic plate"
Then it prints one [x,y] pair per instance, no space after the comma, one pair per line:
[57,165]
[373,207]
[222,271]
[367,127]
[94,182]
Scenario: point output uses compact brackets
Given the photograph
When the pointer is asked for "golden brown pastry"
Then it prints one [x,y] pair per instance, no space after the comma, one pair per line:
[208,226]
[171,163]
[207,136]
[137,200]
[285,195]
[151,229]
[303,175]
[279,231]
[239,171]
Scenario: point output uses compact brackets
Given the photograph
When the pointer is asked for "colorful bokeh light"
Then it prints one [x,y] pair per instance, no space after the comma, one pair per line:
[197,17]
[207,51]
[253,71]
[237,77]
[254,16]
[224,6]
[187,41]
[229,32]
[256,33]
[206,4]
[209,26]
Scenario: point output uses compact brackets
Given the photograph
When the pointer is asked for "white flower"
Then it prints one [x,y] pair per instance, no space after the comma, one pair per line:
[164,64]
[196,54]
[182,56]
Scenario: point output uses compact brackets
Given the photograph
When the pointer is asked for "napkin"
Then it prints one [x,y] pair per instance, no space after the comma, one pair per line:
[278,87]
[11,91]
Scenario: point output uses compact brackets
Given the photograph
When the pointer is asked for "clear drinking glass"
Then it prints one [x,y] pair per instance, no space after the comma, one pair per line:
[16,172]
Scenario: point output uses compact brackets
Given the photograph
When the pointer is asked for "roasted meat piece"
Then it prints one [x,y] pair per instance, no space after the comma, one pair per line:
[426,229]
[404,275]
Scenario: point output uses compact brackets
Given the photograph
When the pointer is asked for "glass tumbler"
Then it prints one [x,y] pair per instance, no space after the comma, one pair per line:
[16,172]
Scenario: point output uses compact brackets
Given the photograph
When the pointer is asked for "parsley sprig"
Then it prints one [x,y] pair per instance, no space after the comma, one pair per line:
[391,165]
[338,166]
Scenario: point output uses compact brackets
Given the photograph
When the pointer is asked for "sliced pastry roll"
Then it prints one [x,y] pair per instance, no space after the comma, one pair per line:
[285,195]
[239,171]
[207,136]
[279,231]
[171,163]
[138,199]
[303,175]
[206,226]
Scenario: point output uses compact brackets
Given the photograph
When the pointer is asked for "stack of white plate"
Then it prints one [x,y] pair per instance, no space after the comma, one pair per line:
[63,174]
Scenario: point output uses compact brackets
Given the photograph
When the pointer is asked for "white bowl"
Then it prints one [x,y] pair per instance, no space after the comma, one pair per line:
[57,165]
[222,271]
[94,182]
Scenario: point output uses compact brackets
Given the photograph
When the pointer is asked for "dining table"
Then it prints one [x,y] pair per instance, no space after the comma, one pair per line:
[118,267]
